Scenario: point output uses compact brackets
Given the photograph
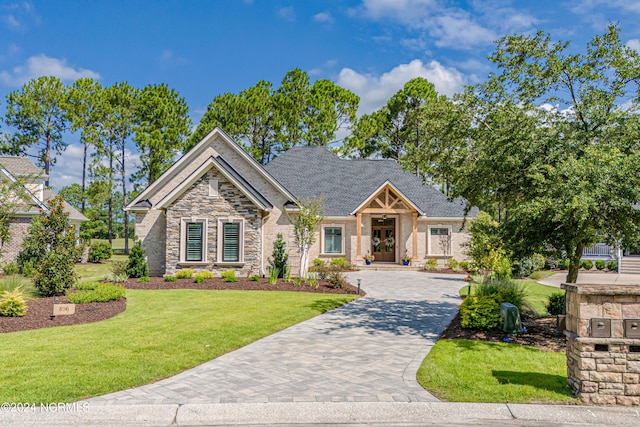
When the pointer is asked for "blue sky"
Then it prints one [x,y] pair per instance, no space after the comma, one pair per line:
[205,48]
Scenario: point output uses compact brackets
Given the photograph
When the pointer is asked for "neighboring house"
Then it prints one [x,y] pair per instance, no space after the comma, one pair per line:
[31,182]
[217,208]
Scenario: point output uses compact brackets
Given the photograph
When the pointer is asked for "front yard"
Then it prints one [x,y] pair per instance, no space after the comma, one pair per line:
[160,334]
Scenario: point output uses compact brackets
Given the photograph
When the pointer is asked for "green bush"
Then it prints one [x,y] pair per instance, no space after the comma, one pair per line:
[612,266]
[170,278]
[320,268]
[601,264]
[102,292]
[118,272]
[100,251]
[279,259]
[11,269]
[55,272]
[563,264]
[26,268]
[556,303]
[479,312]
[144,279]
[465,265]
[341,263]
[318,262]
[335,278]
[536,275]
[273,275]
[528,265]
[503,290]
[313,279]
[201,276]
[9,283]
[229,276]
[86,286]
[137,266]
[297,281]
[431,264]
[12,303]
[587,264]
[453,264]
[187,273]
[254,278]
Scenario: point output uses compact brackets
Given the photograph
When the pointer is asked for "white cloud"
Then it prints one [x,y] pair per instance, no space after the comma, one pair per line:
[287,13]
[324,17]
[42,65]
[169,57]
[407,11]
[12,22]
[375,91]
[458,31]
[634,44]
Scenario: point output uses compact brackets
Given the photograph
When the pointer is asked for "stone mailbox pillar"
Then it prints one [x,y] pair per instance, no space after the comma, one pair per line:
[603,343]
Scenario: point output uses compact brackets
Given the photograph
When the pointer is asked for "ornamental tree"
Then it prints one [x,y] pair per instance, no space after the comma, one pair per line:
[305,222]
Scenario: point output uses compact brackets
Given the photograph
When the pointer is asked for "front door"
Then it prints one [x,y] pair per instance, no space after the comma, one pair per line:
[383,241]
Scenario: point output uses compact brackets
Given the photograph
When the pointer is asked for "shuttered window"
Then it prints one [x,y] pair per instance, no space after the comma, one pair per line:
[231,242]
[194,241]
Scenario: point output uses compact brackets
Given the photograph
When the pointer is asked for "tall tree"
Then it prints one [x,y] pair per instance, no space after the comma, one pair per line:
[577,164]
[291,100]
[38,112]
[84,104]
[162,125]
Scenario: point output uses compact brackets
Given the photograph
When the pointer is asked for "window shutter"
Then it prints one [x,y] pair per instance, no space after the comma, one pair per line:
[194,241]
[231,242]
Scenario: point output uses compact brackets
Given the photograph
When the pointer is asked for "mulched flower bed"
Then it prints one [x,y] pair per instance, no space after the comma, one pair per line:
[541,333]
[241,285]
[40,309]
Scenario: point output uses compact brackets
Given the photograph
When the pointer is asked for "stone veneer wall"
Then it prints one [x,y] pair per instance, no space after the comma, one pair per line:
[195,202]
[609,375]
[18,228]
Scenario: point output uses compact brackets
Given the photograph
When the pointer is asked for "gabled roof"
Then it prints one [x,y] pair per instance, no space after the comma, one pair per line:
[32,201]
[346,184]
[228,172]
[21,167]
[191,155]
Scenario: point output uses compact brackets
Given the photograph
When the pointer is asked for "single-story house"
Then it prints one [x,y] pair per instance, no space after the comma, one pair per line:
[217,208]
[30,181]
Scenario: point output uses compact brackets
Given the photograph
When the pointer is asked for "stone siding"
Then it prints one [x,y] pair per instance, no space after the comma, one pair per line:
[195,204]
[18,229]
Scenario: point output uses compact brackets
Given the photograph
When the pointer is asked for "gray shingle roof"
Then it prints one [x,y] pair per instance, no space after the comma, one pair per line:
[74,214]
[20,166]
[309,172]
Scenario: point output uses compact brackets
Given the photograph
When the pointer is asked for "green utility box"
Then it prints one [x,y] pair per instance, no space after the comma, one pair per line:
[510,318]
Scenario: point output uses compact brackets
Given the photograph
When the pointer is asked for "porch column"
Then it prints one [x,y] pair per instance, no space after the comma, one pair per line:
[358,235]
[414,231]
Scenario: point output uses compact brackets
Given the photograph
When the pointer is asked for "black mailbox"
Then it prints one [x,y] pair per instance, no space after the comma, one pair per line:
[632,328]
[601,328]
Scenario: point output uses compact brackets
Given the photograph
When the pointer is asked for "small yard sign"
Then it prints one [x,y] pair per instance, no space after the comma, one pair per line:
[62,309]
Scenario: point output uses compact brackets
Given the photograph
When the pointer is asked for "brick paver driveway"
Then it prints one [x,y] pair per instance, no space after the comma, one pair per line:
[369,350]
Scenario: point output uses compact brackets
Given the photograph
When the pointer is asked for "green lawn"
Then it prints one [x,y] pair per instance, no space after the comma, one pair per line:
[96,271]
[160,334]
[115,243]
[537,294]
[478,371]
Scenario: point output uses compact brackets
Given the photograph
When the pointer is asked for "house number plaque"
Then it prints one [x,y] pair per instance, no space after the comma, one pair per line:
[62,309]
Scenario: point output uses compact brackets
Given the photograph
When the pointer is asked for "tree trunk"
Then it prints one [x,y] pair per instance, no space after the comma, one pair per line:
[124,203]
[110,192]
[304,261]
[574,263]
[84,176]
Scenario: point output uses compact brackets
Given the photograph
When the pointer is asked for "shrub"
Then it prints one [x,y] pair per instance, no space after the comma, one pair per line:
[479,312]
[273,275]
[453,264]
[9,283]
[55,272]
[254,278]
[431,264]
[550,263]
[11,269]
[563,264]
[287,274]
[100,251]
[556,303]
[12,303]
[144,279]
[536,275]
[318,262]
[170,278]
[137,266]
[102,292]
[86,286]
[341,263]
[320,268]
[601,264]
[229,276]
[118,272]
[612,265]
[528,265]
[297,281]
[465,265]
[502,290]
[187,273]
[335,278]
[26,268]
[313,279]
[280,258]
[201,276]
[587,264]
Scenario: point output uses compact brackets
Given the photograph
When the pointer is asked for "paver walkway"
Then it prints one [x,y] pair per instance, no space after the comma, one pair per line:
[366,351]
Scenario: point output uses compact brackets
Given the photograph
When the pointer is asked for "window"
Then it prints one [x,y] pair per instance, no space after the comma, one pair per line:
[213,187]
[193,235]
[231,242]
[333,240]
[439,240]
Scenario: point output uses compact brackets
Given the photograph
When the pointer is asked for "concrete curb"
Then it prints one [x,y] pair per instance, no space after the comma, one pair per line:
[380,413]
